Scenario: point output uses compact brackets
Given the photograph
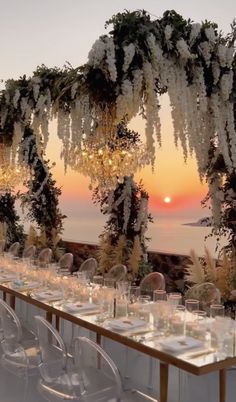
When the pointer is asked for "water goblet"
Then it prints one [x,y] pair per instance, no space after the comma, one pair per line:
[98,280]
[161,314]
[199,315]
[109,282]
[144,307]
[217,310]
[159,295]
[191,305]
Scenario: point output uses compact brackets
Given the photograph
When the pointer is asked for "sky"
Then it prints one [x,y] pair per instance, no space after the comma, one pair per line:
[53,32]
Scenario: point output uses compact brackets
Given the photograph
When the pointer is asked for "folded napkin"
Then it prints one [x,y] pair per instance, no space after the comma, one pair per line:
[21,285]
[48,295]
[7,278]
[79,307]
[126,324]
[180,343]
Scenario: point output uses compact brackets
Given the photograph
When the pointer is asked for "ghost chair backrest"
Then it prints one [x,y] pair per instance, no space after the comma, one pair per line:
[65,263]
[29,252]
[118,272]
[14,249]
[44,257]
[207,294]
[89,266]
[151,282]
[99,377]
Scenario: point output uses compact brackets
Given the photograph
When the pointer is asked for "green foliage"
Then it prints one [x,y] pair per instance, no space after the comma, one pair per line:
[9,216]
[145,268]
[42,198]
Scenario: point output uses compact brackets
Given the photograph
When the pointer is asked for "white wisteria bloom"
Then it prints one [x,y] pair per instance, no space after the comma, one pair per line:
[226,85]
[23,105]
[205,49]
[16,98]
[183,49]
[129,52]
[97,53]
[74,89]
[222,55]
[210,34]
[36,89]
[230,55]
[215,71]
[124,101]
[195,31]
[111,58]
[168,32]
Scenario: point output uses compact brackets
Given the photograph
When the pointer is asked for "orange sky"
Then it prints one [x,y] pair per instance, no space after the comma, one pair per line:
[172,176]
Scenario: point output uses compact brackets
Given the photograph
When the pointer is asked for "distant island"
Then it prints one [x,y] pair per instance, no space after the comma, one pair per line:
[201,222]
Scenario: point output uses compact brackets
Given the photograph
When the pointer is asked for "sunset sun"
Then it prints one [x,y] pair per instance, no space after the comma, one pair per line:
[167,199]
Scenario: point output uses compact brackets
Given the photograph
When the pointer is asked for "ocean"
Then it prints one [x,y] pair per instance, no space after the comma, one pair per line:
[166,235]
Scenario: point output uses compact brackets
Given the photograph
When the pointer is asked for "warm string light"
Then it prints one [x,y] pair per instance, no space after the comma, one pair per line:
[12,173]
[106,163]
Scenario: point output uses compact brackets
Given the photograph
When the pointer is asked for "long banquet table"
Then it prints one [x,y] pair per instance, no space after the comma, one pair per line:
[198,365]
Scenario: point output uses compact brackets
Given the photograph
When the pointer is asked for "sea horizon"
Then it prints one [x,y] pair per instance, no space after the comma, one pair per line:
[167,235]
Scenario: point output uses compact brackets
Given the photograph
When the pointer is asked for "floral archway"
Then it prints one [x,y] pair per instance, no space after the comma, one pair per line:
[126,73]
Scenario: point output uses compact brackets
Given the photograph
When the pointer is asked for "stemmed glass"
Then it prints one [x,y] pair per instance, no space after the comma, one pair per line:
[220,327]
[134,294]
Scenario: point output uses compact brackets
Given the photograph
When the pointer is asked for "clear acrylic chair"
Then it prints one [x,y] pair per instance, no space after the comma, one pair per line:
[151,282]
[207,294]
[99,377]
[89,266]
[58,381]
[20,352]
[14,249]
[117,272]
[44,257]
[65,263]
[29,252]
[2,245]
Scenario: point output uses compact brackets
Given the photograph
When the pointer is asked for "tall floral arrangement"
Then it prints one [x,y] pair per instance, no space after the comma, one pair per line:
[124,238]
[11,228]
[42,198]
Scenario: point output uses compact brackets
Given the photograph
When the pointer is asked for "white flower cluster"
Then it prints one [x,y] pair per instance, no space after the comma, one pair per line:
[111,58]
[129,52]
[97,53]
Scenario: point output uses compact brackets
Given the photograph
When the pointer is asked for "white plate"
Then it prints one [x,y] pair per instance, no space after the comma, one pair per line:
[7,278]
[79,307]
[24,286]
[126,324]
[180,343]
[48,295]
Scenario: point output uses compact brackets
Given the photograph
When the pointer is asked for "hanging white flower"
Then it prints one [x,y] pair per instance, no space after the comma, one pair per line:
[36,89]
[183,49]
[168,32]
[23,105]
[210,34]
[74,89]
[129,52]
[230,55]
[16,98]
[226,85]
[124,101]
[222,54]
[97,53]
[111,58]
[205,49]
[215,71]
[195,31]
